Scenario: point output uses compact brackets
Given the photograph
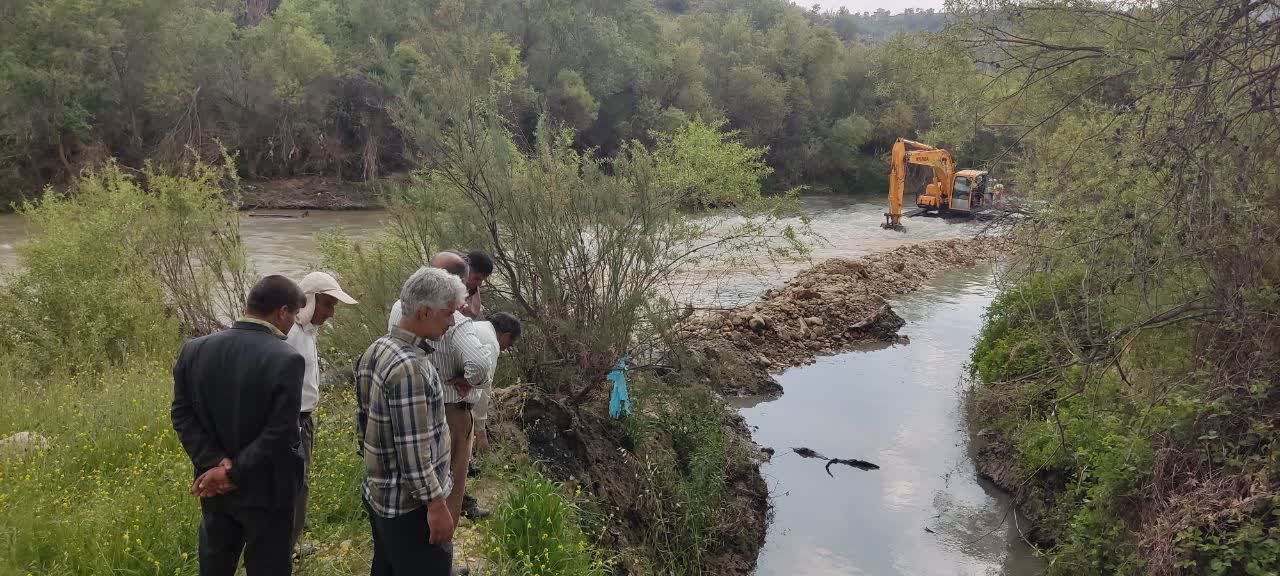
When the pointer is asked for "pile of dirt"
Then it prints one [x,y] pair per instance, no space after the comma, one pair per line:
[835,305]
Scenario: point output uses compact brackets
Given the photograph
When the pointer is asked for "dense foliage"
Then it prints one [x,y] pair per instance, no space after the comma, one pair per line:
[303,88]
[1131,362]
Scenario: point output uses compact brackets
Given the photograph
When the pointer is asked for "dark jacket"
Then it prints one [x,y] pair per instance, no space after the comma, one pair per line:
[237,394]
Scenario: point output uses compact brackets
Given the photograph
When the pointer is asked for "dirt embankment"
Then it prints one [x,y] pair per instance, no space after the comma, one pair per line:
[583,446]
[996,459]
[831,307]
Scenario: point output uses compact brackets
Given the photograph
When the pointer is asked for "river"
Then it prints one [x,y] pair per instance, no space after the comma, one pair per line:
[896,406]
[844,226]
[274,245]
[925,511]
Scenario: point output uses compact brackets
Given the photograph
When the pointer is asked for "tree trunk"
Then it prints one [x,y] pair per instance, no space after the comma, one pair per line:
[370,153]
[256,10]
[62,154]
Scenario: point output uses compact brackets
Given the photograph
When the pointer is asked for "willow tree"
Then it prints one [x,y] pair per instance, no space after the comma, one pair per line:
[586,248]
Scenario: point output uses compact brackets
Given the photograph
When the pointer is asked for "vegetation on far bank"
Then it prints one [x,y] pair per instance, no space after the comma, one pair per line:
[303,87]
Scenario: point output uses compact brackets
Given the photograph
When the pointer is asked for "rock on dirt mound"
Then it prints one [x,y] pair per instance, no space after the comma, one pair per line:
[828,308]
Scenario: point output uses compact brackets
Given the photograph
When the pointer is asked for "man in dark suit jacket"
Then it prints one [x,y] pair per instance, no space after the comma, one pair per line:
[236,401]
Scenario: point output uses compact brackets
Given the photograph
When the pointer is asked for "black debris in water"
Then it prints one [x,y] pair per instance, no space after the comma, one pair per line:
[852,462]
[808,453]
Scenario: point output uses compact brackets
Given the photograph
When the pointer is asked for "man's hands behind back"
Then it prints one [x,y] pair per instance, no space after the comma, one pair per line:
[214,482]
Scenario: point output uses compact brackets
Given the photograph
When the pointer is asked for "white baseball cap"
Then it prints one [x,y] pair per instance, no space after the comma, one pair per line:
[323,283]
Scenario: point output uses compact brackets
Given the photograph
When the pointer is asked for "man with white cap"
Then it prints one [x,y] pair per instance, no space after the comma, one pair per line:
[323,294]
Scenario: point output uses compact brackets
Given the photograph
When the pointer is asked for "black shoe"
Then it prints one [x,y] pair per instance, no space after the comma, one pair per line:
[473,471]
[471,509]
[460,571]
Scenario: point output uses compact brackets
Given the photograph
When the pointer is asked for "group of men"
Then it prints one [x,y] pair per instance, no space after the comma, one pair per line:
[244,398]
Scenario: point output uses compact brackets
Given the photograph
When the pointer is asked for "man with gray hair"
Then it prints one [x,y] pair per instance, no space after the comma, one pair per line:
[450,262]
[403,435]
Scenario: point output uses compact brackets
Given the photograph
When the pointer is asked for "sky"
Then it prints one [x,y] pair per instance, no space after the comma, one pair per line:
[872,5]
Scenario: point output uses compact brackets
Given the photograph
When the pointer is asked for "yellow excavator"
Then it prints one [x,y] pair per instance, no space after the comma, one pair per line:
[946,192]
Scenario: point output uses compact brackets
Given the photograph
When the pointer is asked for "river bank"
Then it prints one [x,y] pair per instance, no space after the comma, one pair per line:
[314,193]
[624,465]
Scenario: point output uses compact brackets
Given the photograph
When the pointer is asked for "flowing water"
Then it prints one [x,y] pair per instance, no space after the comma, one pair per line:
[924,512]
[275,245]
[896,406]
[846,226]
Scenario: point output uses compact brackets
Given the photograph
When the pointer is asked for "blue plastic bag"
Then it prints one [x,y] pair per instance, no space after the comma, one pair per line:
[619,403]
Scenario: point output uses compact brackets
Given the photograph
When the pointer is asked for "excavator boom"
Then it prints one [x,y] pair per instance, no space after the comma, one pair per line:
[911,152]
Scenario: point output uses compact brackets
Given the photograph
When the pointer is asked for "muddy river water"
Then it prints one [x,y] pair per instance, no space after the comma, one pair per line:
[844,227]
[923,513]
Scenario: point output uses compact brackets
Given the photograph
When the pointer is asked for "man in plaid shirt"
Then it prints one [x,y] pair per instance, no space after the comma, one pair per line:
[403,435]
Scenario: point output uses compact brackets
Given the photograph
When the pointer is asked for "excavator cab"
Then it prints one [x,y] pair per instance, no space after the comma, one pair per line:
[969,191]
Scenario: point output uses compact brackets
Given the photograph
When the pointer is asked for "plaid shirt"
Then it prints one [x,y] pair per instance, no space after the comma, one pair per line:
[404,439]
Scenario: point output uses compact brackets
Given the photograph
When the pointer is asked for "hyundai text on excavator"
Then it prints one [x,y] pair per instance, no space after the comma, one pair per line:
[947,192]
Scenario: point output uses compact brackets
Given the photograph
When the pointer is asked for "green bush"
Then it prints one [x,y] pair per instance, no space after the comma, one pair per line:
[1016,341]
[705,166]
[1244,544]
[118,269]
[537,530]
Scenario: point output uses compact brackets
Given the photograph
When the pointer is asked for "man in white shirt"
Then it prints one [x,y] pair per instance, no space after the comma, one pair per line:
[323,294]
[499,333]
[466,359]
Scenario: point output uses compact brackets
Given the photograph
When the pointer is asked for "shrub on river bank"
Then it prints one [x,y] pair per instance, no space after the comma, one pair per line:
[585,252]
[120,267]
[1105,458]
[1130,372]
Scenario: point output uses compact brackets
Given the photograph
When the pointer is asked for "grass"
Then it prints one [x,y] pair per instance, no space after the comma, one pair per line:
[109,495]
[536,530]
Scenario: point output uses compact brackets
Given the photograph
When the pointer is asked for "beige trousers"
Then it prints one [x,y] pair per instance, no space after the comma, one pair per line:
[458,417]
